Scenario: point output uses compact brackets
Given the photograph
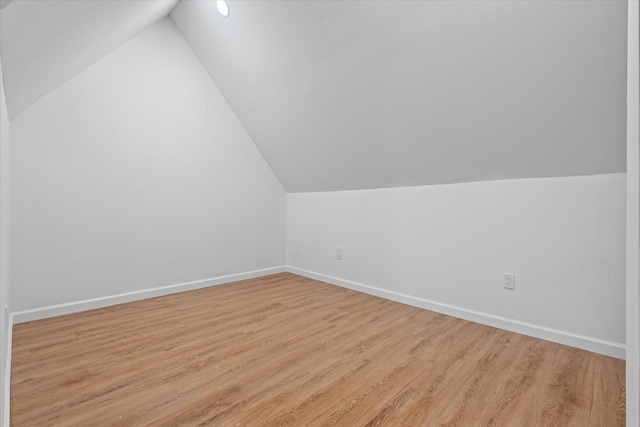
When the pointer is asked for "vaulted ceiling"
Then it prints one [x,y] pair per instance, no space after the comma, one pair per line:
[364,94]
[45,43]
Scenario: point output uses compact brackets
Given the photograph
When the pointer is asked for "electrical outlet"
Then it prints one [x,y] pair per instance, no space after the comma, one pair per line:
[509,281]
[6,317]
[338,253]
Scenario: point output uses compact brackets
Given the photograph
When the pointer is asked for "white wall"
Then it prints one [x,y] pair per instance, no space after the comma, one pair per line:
[5,143]
[136,174]
[633,217]
[564,238]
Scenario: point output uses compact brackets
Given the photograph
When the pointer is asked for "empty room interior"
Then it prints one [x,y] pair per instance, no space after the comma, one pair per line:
[319,212]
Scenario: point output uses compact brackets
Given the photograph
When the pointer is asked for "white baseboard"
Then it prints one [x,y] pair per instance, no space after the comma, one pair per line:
[90,304]
[7,377]
[595,345]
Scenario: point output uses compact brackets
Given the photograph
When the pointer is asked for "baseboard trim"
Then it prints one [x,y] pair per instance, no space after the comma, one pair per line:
[595,345]
[90,304]
[7,377]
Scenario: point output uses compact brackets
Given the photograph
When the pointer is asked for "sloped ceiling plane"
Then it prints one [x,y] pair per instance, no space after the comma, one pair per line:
[342,95]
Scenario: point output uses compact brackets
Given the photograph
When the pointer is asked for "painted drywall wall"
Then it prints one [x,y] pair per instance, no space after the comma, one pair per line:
[633,217]
[398,93]
[563,238]
[5,145]
[136,174]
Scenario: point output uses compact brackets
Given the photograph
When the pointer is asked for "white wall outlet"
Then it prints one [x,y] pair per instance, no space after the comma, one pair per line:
[338,253]
[6,317]
[509,281]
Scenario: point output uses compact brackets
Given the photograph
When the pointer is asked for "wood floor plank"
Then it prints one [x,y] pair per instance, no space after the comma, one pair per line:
[287,350]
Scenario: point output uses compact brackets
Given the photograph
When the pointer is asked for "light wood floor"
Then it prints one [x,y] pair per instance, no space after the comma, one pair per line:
[285,350]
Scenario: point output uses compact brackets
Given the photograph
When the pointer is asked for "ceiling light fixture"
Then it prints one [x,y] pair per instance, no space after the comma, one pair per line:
[223,8]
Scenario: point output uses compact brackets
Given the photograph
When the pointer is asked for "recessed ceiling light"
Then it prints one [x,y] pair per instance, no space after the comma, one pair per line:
[223,8]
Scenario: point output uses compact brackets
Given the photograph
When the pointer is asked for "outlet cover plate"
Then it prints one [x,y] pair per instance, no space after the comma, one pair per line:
[510,281]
